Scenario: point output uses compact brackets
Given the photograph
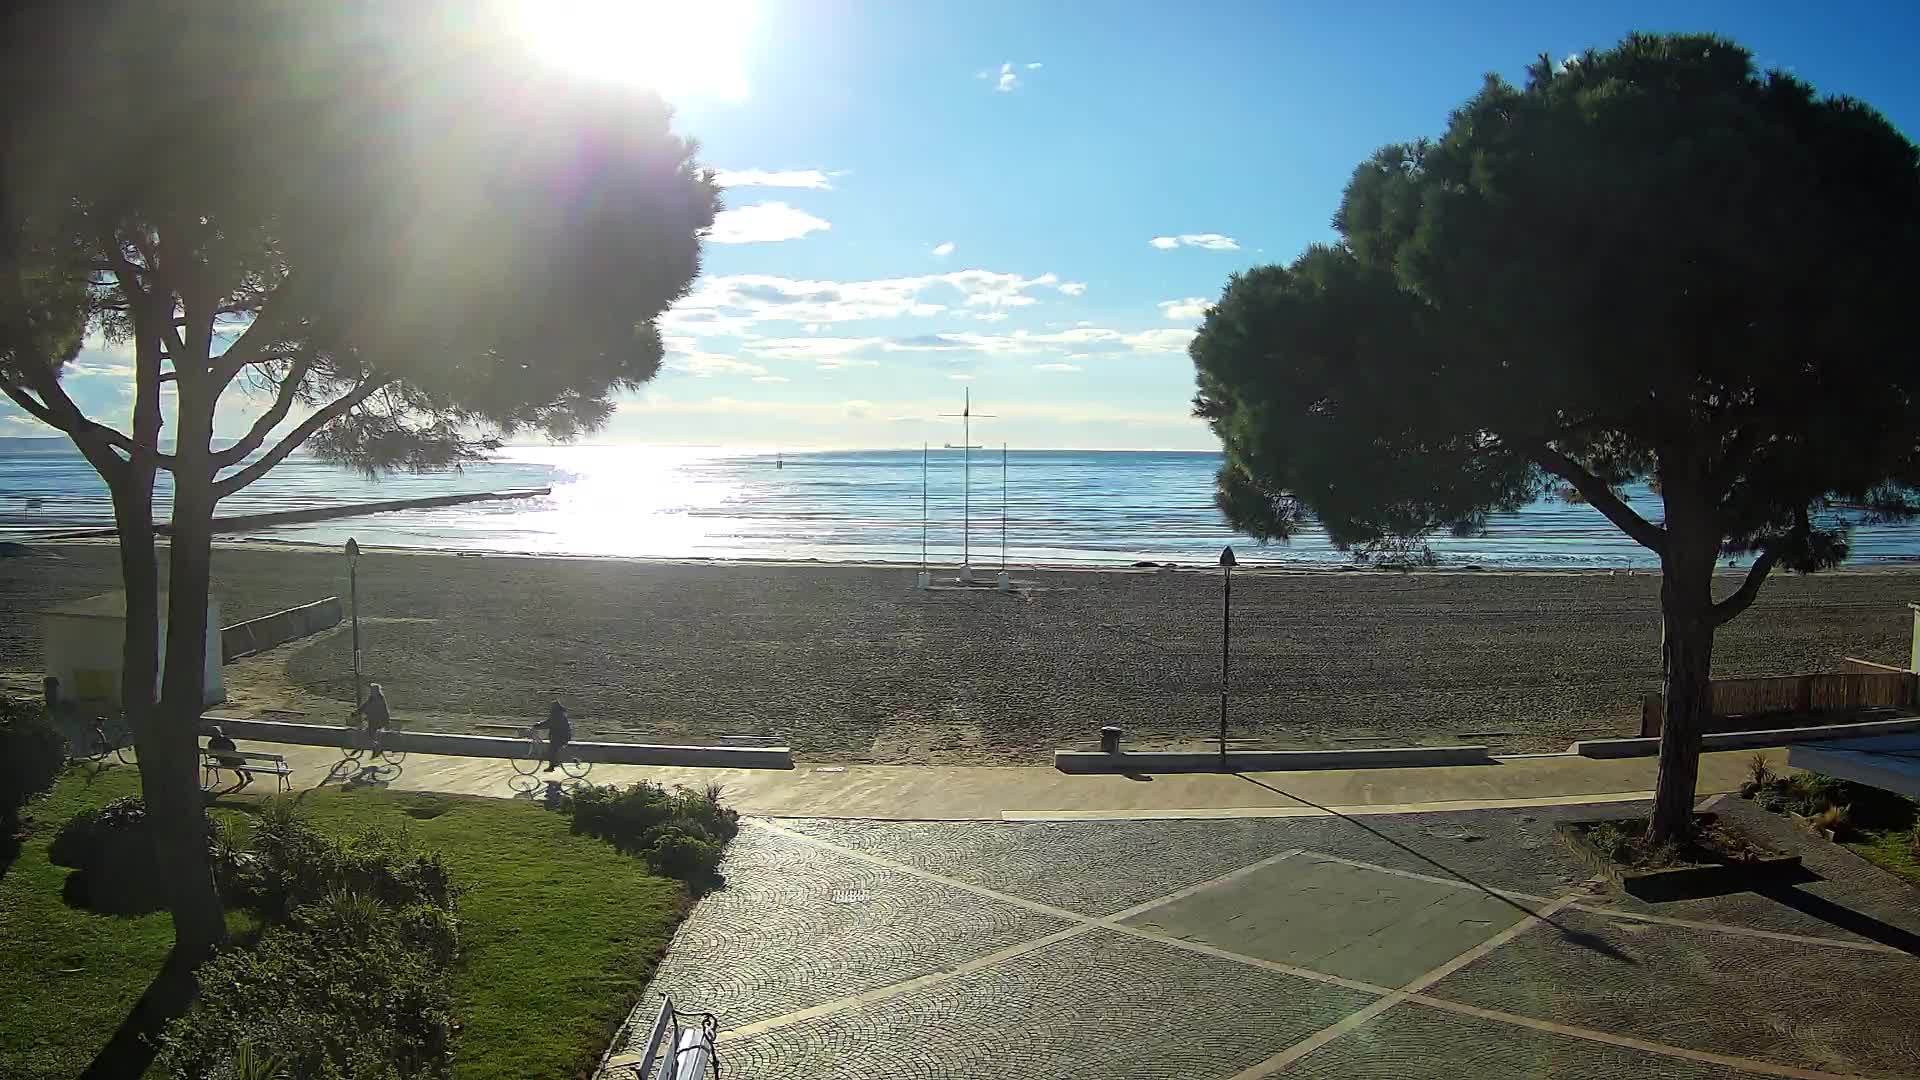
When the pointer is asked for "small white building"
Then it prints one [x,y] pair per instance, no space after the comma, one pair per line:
[82,641]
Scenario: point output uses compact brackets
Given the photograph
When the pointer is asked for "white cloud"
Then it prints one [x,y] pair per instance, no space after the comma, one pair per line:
[86,369]
[961,378]
[763,223]
[811,179]
[1073,288]
[730,305]
[1193,307]
[1007,81]
[1207,241]
[770,378]
[990,316]
[704,364]
[1056,367]
[943,249]
[1079,343]
[1035,66]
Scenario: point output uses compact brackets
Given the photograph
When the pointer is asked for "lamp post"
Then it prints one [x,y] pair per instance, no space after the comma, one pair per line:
[1227,563]
[353,597]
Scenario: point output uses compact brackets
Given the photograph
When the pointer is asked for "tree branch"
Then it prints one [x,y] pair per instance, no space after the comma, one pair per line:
[1733,605]
[92,439]
[327,415]
[262,427]
[1601,498]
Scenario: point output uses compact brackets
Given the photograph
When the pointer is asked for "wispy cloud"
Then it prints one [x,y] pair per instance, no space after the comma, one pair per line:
[1193,307]
[770,378]
[730,305]
[1073,288]
[810,179]
[943,249]
[702,365]
[1079,342]
[1007,78]
[961,378]
[1057,367]
[1208,241]
[764,223]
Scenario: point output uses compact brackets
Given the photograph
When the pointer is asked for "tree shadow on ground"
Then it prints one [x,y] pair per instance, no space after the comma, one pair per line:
[1843,917]
[134,1044]
[1572,936]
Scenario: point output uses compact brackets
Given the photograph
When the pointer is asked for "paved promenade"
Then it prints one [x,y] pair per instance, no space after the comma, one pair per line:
[959,792]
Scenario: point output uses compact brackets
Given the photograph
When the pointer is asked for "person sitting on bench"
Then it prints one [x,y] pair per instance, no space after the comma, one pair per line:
[222,750]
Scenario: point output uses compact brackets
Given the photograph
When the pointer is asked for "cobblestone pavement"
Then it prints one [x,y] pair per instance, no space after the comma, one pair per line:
[1432,945]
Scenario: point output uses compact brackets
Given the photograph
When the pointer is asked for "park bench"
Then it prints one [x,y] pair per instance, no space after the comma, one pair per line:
[249,762]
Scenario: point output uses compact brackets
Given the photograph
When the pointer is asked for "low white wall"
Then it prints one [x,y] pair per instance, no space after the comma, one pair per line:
[1093,761]
[496,746]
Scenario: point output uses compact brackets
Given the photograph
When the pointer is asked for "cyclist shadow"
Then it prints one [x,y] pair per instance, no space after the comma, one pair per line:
[352,773]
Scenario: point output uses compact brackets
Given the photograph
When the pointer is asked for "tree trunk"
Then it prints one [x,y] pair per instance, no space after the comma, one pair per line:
[1686,668]
[176,804]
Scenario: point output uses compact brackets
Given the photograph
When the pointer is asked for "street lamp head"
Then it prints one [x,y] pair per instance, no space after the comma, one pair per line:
[1226,557]
[353,549]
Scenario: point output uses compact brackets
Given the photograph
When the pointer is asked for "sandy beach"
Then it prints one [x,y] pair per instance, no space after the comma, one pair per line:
[850,663]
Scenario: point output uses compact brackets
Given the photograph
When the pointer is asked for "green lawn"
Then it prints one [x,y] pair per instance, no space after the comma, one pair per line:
[1890,850]
[559,932]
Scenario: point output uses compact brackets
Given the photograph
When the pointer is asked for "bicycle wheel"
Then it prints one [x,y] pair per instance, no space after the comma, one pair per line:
[393,757]
[574,767]
[528,760]
[126,754]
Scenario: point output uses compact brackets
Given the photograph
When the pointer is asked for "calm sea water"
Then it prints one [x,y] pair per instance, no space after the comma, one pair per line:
[1059,506]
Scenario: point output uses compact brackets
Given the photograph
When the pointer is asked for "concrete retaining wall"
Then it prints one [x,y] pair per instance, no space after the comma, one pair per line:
[1093,761]
[496,746]
[254,635]
[1743,740]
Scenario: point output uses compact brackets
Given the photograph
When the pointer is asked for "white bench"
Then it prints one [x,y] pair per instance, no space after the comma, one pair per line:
[247,762]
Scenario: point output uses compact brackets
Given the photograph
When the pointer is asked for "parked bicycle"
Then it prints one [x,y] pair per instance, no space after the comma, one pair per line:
[118,744]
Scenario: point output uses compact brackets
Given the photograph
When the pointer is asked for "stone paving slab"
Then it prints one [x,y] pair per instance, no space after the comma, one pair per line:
[1359,924]
[1799,1005]
[1094,868]
[797,925]
[1411,1042]
[1093,1007]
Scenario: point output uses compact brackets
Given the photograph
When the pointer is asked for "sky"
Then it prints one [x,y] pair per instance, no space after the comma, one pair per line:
[1034,202]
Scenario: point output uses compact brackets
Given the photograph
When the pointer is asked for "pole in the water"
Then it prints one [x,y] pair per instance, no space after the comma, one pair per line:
[923,508]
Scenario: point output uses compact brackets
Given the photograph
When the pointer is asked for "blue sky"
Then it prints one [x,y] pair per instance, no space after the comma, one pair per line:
[1050,144]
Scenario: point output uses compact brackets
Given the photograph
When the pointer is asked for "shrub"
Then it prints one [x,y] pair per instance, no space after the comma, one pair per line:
[321,1004]
[680,833]
[112,848]
[292,865]
[675,854]
[352,978]
[32,755]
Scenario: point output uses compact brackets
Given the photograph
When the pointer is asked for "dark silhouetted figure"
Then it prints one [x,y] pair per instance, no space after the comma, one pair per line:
[559,733]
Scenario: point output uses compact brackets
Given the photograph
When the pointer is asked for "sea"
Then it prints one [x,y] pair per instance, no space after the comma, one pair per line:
[1066,507]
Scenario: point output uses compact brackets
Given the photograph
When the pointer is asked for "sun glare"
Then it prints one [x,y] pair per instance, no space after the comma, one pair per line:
[689,48]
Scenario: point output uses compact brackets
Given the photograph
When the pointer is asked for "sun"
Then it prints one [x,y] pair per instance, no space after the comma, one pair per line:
[689,48]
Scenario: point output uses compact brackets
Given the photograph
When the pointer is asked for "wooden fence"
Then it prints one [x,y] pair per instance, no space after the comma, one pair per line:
[1864,686]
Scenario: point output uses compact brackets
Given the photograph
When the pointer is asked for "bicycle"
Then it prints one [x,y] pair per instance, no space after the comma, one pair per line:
[380,759]
[532,757]
[119,745]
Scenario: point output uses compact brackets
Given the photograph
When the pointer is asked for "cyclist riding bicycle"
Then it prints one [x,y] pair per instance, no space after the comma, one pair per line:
[559,733]
[374,709]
